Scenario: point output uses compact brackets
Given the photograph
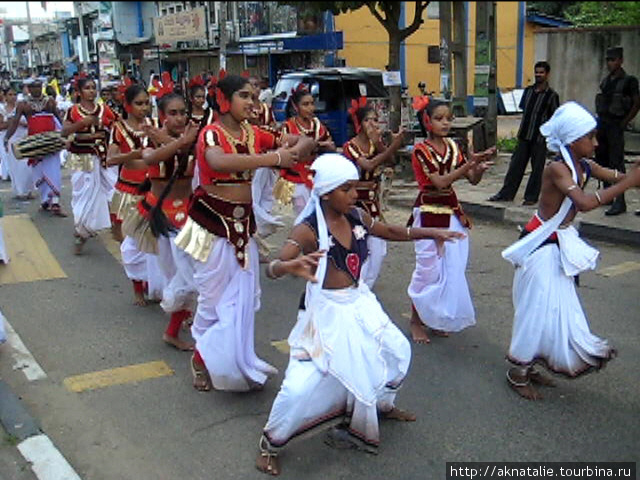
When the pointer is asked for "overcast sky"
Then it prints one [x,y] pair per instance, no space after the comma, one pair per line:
[19,9]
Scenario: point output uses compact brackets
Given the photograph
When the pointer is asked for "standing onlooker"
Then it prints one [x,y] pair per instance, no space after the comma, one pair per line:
[538,103]
[616,105]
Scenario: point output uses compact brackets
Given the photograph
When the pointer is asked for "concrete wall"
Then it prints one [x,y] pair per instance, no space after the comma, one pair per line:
[577,59]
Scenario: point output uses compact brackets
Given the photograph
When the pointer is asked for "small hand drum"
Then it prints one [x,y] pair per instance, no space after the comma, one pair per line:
[38,145]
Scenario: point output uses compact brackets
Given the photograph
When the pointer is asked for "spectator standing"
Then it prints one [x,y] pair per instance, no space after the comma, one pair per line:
[617,104]
[538,103]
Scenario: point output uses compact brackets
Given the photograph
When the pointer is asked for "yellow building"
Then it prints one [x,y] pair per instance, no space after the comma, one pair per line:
[366,44]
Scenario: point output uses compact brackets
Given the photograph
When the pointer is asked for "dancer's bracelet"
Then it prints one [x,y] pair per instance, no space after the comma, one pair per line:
[615,175]
[598,197]
[408,233]
[272,264]
[279,162]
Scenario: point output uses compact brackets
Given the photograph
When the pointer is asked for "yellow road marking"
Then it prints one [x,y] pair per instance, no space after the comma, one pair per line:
[112,246]
[619,269]
[29,256]
[282,346]
[117,376]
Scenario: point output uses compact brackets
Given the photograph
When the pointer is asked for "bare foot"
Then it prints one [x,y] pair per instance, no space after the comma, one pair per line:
[201,378]
[440,333]
[540,379]
[177,343]
[56,210]
[398,414]
[78,244]
[268,463]
[139,300]
[418,333]
[522,386]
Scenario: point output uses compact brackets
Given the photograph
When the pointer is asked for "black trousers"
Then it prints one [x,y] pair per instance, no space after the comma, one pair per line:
[535,150]
[610,149]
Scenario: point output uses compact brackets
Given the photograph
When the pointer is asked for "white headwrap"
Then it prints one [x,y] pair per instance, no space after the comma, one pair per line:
[331,171]
[568,123]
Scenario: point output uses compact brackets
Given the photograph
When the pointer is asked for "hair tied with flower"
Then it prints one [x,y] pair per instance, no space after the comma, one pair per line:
[353,111]
[166,87]
[420,105]
[196,81]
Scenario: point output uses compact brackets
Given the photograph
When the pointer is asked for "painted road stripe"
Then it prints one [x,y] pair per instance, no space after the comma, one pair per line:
[619,269]
[31,259]
[112,246]
[117,376]
[22,358]
[282,346]
[46,460]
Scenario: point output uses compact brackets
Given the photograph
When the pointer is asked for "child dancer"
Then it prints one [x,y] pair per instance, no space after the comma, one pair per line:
[125,150]
[302,121]
[438,289]
[88,125]
[367,151]
[549,325]
[197,97]
[347,358]
[218,235]
[169,154]
[21,172]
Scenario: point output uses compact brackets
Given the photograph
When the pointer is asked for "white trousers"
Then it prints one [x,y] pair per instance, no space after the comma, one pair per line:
[223,327]
[373,264]
[48,178]
[438,288]
[89,200]
[549,325]
[177,267]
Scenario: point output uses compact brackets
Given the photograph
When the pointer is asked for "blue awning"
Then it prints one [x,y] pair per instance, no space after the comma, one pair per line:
[319,41]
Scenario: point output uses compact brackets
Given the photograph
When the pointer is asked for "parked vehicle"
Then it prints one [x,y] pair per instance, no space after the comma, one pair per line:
[333,90]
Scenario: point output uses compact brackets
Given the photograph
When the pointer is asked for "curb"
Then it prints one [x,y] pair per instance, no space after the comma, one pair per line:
[518,216]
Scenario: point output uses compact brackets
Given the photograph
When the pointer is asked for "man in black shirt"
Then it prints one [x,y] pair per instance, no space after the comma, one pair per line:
[616,105]
[538,103]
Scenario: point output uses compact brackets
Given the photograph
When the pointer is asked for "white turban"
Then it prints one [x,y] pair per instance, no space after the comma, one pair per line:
[567,124]
[331,171]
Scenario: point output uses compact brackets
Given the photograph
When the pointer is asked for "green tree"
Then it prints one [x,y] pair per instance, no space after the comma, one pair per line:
[388,14]
[593,14]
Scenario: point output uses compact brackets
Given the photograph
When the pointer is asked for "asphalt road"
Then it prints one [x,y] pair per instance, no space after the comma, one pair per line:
[163,429]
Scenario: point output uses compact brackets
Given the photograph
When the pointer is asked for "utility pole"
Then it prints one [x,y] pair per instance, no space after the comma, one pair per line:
[445,49]
[30,28]
[222,19]
[484,100]
[459,54]
[83,43]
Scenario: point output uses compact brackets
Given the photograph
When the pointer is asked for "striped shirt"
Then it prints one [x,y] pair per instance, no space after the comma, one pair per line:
[537,107]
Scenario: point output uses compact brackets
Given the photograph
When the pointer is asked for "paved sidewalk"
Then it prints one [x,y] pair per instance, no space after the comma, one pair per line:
[622,229]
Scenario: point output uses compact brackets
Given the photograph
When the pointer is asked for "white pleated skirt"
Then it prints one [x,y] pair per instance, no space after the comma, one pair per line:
[89,200]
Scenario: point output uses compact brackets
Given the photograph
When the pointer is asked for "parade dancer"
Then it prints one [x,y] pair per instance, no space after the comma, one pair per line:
[21,172]
[295,183]
[42,116]
[4,165]
[125,151]
[264,179]
[347,358]
[549,325]
[197,98]
[87,126]
[367,151]
[438,290]
[218,235]
[169,154]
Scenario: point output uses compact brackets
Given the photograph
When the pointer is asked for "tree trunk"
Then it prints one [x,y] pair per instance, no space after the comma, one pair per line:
[394,92]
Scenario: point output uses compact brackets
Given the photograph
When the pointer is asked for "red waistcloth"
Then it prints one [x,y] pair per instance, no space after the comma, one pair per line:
[534,223]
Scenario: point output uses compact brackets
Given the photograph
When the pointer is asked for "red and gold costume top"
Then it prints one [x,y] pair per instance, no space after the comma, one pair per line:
[300,172]
[254,140]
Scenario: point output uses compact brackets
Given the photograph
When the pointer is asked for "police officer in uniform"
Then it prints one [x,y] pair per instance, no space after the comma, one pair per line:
[617,104]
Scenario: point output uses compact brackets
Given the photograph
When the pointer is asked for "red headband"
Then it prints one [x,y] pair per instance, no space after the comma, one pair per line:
[420,104]
[166,87]
[197,80]
[353,111]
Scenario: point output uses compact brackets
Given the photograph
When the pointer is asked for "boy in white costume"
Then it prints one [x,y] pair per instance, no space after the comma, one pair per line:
[549,326]
[347,358]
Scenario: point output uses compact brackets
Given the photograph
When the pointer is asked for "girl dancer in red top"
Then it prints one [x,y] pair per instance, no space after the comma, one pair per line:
[303,122]
[367,151]
[88,126]
[170,156]
[219,236]
[438,288]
